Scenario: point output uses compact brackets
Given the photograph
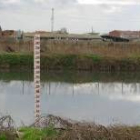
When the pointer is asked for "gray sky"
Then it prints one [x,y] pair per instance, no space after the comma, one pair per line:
[78,16]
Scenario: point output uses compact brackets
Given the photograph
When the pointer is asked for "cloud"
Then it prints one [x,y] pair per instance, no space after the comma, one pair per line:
[7,2]
[110,2]
[10,1]
[35,4]
[132,98]
[102,15]
[56,1]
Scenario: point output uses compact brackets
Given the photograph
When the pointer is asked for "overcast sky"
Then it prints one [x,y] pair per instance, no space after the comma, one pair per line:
[78,16]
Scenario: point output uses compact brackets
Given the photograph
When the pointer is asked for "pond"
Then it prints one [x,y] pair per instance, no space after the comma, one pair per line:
[103,98]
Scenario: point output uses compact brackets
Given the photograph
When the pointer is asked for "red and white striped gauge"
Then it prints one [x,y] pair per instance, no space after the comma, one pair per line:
[37,75]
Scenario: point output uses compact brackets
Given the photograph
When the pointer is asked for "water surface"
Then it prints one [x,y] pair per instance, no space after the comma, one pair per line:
[103,98]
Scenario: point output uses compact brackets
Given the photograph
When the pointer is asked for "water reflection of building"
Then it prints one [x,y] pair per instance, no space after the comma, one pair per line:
[93,88]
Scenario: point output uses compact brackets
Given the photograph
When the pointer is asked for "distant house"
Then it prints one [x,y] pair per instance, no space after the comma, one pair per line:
[11,34]
[125,34]
[8,33]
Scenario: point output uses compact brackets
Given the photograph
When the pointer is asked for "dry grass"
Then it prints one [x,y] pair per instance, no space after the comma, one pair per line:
[63,129]
[100,48]
[16,46]
[81,55]
[71,130]
[105,49]
[6,123]
[100,133]
[7,131]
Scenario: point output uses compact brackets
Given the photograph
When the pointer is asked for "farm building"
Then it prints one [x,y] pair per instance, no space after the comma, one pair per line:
[8,33]
[60,36]
[125,34]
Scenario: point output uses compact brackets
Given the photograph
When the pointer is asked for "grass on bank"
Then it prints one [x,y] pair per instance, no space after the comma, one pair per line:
[30,133]
[54,61]
[14,59]
[78,131]
[3,137]
[57,128]
[7,135]
[90,62]
[37,134]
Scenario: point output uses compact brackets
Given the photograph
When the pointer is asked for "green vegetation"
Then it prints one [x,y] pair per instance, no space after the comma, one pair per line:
[14,60]
[62,129]
[78,131]
[58,61]
[30,133]
[37,134]
[94,58]
[7,135]
[72,55]
[3,137]
[89,62]
[72,76]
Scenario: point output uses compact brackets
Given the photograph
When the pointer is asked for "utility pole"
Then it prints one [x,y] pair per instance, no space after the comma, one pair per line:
[52,20]
[92,31]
